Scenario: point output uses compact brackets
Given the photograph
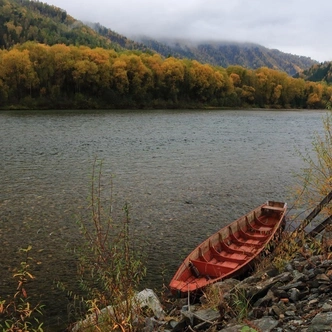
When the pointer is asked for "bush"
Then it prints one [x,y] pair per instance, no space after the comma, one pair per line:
[17,313]
[109,268]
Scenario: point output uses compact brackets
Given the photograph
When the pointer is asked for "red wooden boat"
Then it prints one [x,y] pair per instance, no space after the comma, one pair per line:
[231,251]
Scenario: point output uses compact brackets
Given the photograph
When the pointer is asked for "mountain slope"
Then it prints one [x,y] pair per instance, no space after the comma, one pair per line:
[319,72]
[225,54]
[24,20]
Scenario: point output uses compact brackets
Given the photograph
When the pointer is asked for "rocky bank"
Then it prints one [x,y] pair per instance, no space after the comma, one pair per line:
[297,299]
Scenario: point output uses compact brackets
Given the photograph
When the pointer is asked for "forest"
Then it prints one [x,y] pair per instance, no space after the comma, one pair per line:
[49,60]
[34,75]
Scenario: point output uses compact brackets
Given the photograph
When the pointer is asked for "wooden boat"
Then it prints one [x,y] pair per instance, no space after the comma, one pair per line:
[231,251]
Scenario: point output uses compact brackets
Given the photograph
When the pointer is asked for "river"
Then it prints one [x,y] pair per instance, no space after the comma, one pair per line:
[184,174]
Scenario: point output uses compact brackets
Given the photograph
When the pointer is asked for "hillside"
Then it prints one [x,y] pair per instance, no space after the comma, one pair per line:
[24,20]
[226,54]
[317,73]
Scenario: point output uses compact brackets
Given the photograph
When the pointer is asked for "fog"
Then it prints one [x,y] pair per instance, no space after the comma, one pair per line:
[299,27]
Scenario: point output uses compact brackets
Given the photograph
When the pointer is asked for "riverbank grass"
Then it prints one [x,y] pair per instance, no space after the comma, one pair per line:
[109,269]
[17,313]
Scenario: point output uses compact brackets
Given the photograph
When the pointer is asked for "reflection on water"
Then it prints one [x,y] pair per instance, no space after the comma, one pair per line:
[184,173]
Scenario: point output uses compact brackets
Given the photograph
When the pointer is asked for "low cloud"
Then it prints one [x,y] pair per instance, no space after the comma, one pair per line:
[294,26]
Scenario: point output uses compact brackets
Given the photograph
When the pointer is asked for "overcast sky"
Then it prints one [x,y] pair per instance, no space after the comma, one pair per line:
[299,27]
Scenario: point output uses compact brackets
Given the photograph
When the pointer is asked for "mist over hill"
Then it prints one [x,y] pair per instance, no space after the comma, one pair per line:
[24,20]
[225,54]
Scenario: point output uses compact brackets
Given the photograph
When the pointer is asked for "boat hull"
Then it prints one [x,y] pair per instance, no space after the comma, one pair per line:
[230,251]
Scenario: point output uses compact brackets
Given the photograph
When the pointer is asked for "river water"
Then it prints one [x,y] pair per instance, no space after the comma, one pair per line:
[184,174]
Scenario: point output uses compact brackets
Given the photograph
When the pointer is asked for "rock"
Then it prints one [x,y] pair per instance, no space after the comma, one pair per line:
[323,278]
[294,294]
[321,322]
[326,307]
[276,311]
[148,298]
[207,315]
[298,299]
[226,285]
[265,324]
[151,324]
[145,298]
[266,300]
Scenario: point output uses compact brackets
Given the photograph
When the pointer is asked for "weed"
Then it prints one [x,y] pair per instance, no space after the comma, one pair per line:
[240,304]
[212,295]
[109,269]
[17,313]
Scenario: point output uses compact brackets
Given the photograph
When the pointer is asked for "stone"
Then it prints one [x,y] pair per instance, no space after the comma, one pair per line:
[151,324]
[289,267]
[326,307]
[280,293]
[298,284]
[323,278]
[276,310]
[285,300]
[285,277]
[321,322]
[265,324]
[148,298]
[294,294]
[265,301]
[312,302]
[206,315]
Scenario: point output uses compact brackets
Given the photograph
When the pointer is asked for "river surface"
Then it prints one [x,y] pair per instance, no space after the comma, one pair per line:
[184,174]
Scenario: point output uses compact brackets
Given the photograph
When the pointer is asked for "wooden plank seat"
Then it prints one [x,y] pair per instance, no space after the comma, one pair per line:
[273,208]
[242,242]
[231,257]
[228,249]
[213,270]
[259,227]
[254,236]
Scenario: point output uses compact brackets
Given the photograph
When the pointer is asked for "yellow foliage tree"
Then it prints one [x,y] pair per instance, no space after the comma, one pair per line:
[119,79]
[17,73]
[172,77]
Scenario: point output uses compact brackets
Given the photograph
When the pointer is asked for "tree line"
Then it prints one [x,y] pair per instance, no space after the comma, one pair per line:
[34,75]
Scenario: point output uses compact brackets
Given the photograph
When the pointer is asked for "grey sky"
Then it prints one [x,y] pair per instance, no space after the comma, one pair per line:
[299,27]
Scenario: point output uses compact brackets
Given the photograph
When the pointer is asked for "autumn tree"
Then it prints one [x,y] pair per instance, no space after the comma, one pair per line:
[139,77]
[314,93]
[203,81]
[119,78]
[62,61]
[40,58]
[154,63]
[172,78]
[17,74]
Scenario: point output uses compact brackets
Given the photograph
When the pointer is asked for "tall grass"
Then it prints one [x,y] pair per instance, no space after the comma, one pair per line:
[109,268]
[17,313]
